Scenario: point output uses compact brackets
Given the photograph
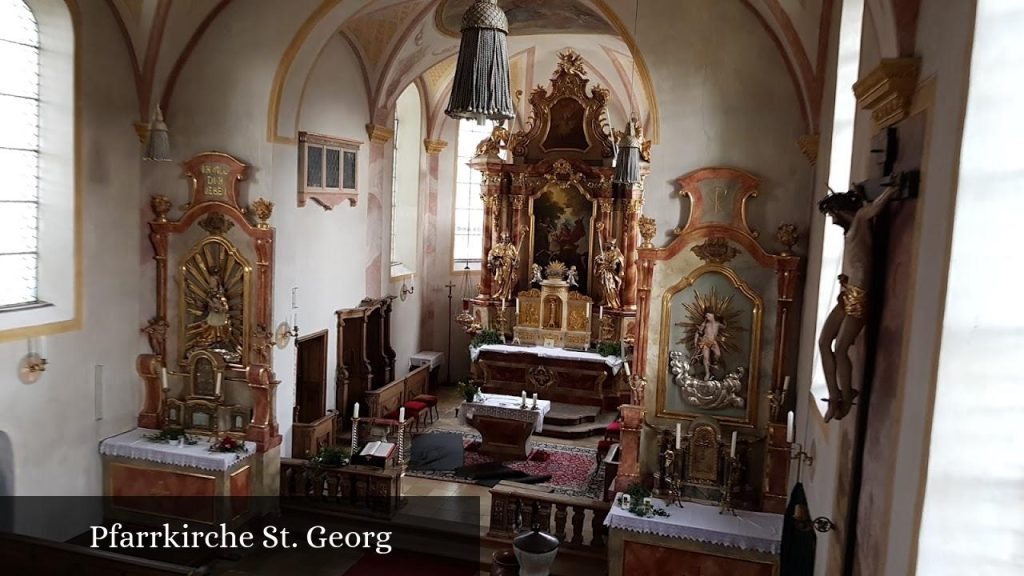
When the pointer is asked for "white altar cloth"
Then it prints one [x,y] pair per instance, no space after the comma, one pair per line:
[502,406]
[614,362]
[133,444]
[758,531]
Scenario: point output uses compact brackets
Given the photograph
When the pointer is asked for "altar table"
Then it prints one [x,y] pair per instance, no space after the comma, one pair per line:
[696,538]
[569,376]
[504,427]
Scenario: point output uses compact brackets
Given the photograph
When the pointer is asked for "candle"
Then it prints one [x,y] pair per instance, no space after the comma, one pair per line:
[625,366]
[534,398]
[42,347]
[517,308]
[295,318]
[732,447]
[163,377]
[790,432]
[600,313]
[524,397]
[679,435]
[785,387]
[401,414]
[355,411]
[220,379]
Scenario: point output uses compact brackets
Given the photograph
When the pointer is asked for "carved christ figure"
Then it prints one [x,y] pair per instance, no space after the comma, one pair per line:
[850,211]
[705,342]
[216,326]
[609,265]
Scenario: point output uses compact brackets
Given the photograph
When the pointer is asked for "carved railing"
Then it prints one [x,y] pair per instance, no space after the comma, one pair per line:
[365,488]
[565,517]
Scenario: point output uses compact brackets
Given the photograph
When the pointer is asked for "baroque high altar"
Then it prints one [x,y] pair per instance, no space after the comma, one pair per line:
[560,237]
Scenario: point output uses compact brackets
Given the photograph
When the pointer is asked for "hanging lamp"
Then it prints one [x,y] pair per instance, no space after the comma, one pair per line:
[481,88]
[158,142]
[627,156]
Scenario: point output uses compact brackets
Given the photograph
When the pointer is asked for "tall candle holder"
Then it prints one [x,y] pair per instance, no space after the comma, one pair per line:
[355,436]
[731,471]
[673,493]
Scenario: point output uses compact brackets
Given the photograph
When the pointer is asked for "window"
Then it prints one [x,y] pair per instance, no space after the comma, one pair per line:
[840,161]
[405,183]
[468,239]
[19,155]
[971,521]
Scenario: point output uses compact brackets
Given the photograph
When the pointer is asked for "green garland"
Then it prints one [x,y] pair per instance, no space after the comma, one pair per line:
[486,337]
[169,435]
[609,348]
[331,457]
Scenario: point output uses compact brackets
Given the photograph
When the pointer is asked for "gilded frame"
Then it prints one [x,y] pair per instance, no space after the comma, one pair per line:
[594,216]
[184,344]
[752,395]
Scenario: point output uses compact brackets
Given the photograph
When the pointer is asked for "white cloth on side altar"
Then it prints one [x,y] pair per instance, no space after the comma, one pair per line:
[759,531]
[614,362]
[134,444]
[502,406]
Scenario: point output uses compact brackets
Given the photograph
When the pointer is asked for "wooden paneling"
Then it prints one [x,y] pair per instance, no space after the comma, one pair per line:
[652,560]
[311,377]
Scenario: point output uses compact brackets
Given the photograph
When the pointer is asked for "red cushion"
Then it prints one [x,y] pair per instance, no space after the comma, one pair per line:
[604,445]
[614,427]
[426,399]
[415,406]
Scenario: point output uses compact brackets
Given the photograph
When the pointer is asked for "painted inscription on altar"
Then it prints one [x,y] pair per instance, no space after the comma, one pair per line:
[215,179]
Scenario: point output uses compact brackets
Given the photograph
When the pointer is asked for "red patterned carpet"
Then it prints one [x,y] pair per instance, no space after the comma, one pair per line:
[573,470]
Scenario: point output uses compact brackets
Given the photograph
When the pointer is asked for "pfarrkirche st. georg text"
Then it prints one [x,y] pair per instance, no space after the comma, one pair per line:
[116,536]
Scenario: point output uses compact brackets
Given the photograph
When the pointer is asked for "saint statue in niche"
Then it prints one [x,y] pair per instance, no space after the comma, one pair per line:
[852,212]
[705,342]
[710,331]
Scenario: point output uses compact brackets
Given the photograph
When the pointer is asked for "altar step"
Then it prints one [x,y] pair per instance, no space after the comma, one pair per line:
[574,421]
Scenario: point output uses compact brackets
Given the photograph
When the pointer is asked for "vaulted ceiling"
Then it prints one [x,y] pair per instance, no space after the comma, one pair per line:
[403,41]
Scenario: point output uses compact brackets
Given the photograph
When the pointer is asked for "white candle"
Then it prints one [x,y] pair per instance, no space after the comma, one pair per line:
[42,347]
[401,414]
[295,318]
[600,313]
[517,307]
[355,411]
[790,431]
[524,396]
[732,447]
[785,387]
[163,377]
[679,435]
[625,366]
[220,379]
[534,398]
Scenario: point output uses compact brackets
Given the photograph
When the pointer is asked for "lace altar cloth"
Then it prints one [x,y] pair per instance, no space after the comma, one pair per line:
[758,531]
[501,406]
[614,362]
[133,444]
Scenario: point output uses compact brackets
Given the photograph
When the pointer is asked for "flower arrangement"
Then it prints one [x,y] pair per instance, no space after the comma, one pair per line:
[469,390]
[609,348]
[228,444]
[171,436]
[485,337]
[636,499]
[331,457]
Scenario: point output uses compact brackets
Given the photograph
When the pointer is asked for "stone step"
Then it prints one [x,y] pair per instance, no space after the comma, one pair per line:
[570,414]
[595,427]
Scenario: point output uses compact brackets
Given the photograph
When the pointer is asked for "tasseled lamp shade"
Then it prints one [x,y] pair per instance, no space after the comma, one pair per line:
[481,89]
[158,143]
[627,159]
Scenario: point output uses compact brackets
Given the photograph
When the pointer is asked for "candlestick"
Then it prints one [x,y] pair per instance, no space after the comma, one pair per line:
[679,435]
[534,399]
[401,414]
[790,431]
[355,411]
[732,447]
[163,377]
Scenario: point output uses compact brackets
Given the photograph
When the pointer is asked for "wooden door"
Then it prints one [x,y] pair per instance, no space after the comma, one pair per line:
[311,377]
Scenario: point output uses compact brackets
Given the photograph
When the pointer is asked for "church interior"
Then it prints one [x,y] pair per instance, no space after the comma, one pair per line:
[544,287]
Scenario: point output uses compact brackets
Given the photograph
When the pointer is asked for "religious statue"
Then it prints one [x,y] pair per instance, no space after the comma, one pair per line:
[573,277]
[705,342]
[215,328]
[495,143]
[503,263]
[853,213]
[608,265]
[709,393]
[535,274]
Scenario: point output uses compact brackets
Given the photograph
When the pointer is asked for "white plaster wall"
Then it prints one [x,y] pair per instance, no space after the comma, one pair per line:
[51,424]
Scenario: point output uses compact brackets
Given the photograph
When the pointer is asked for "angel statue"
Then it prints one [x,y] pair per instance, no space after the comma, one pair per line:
[853,213]
[573,277]
[706,342]
[535,274]
[608,264]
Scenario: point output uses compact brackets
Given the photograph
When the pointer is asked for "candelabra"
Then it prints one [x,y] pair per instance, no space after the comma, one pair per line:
[355,437]
[673,493]
[731,475]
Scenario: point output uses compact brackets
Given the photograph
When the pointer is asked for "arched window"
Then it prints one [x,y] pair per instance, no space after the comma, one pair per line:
[405,184]
[40,264]
[468,232]
[19,154]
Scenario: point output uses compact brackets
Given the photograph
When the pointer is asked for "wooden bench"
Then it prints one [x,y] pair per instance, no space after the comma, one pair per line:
[385,402]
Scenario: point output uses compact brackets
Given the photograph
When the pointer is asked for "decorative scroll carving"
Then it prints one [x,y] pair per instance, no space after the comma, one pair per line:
[216,224]
[809,146]
[715,250]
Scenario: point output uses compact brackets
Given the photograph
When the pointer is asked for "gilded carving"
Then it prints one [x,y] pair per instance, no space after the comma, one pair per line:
[434,147]
[569,62]
[787,235]
[539,377]
[648,228]
[715,250]
[156,333]
[379,134]
[888,90]
[262,208]
[809,146]
[495,143]
[214,291]
[216,223]
[517,202]
[634,205]
[578,319]
[160,205]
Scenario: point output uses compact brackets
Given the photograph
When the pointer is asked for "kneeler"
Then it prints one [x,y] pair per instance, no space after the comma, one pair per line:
[798,536]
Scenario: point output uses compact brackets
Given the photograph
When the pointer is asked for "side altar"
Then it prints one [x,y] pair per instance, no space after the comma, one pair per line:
[207,425]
